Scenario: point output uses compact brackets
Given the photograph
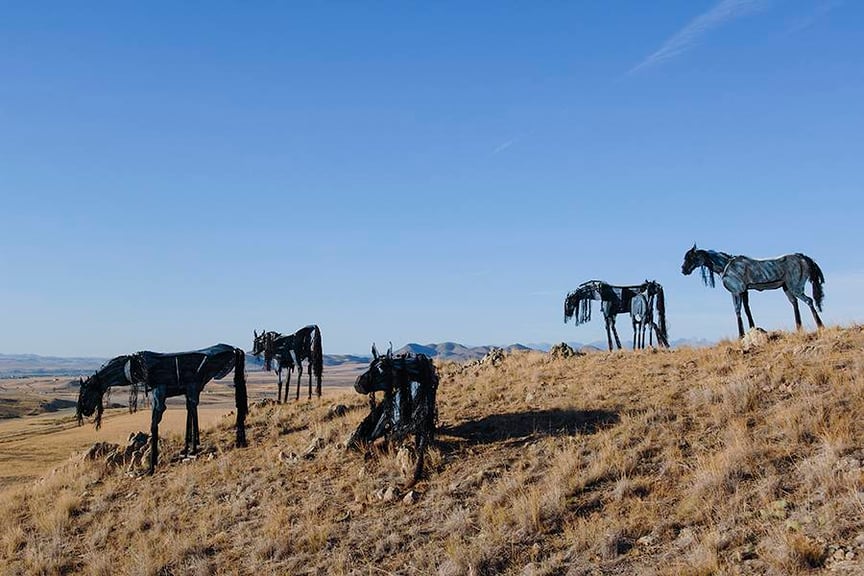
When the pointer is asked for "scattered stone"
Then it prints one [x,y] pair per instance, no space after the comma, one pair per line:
[754,338]
[313,447]
[646,540]
[131,456]
[411,497]
[494,357]
[563,350]
[290,458]
[686,537]
[389,494]
[337,410]
[100,450]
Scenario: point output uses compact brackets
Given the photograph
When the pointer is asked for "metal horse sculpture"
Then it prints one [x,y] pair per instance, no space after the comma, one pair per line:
[165,376]
[409,383]
[304,344]
[638,300]
[740,274]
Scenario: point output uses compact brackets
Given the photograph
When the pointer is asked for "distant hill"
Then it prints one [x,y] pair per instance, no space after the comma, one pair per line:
[21,365]
[28,365]
[455,351]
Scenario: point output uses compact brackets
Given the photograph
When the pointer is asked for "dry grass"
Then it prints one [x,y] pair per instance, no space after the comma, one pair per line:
[698,462]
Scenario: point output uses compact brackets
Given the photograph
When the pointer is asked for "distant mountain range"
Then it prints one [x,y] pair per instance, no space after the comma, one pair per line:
[23,365]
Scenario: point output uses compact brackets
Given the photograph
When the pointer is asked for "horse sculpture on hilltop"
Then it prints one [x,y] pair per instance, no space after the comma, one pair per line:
[740,274]
[165,376]
[638,300]
[290,350]
[410,384]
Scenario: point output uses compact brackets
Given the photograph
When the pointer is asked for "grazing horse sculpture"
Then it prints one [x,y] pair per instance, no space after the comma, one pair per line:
[740,274]
[305,344]
[409,383]
[165,376]
[616,300]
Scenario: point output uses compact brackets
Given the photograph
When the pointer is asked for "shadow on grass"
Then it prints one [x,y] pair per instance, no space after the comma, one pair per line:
[531,424]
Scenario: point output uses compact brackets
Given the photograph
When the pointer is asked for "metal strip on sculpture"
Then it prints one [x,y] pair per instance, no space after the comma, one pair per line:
[739,274]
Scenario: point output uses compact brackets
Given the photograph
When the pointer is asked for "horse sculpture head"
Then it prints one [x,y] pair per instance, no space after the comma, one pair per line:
[263,343]
[257,342]
[691,261]
[379,376]
[698,258]
[90,395]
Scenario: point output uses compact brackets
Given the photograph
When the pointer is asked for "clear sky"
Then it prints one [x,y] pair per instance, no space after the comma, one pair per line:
[174,175]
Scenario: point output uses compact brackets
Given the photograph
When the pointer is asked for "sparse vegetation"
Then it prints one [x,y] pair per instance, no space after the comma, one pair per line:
[728,460]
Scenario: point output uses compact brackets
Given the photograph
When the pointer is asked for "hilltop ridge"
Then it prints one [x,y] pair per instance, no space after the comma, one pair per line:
[745,458]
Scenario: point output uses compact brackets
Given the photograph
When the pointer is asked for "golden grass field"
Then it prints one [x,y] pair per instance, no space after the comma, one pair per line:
[37,442]
[725,460]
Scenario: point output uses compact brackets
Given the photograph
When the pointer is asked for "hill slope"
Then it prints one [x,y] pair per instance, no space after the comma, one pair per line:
[695,461]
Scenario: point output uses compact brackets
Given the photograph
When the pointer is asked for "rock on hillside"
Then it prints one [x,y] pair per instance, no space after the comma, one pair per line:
[455,352]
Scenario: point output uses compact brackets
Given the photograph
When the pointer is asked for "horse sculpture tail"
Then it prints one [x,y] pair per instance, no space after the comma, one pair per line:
[662,334]
[816,279]
[317,356]
[240,396]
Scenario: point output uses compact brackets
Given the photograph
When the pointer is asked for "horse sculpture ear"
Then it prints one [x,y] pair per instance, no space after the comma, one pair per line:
[255,333]
[390,350]
[374,351]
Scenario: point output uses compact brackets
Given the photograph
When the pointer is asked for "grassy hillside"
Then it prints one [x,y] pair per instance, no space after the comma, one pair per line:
[697,461]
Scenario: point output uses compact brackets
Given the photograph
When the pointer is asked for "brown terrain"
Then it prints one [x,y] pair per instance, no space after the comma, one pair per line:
[743,458]
[38,428]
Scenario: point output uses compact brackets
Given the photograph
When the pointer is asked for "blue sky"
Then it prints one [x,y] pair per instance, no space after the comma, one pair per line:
[175,176]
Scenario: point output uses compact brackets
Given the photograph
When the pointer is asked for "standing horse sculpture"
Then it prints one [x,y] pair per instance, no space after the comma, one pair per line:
[165,376]
[290,350]
[616,300]
[740,274]
[409,383]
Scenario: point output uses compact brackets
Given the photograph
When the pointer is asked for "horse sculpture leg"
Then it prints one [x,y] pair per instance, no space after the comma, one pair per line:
[299,378]
[156,417]
[309,370]
[192,432]
[279,391]
[736,301]
[793,298]
[615,333]
[608,335]
[745,299]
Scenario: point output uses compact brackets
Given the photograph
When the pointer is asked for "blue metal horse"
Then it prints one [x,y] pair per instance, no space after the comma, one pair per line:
[165,376]
[740,274]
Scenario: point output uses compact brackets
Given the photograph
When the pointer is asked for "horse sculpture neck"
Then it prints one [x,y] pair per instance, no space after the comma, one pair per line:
[714,260]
